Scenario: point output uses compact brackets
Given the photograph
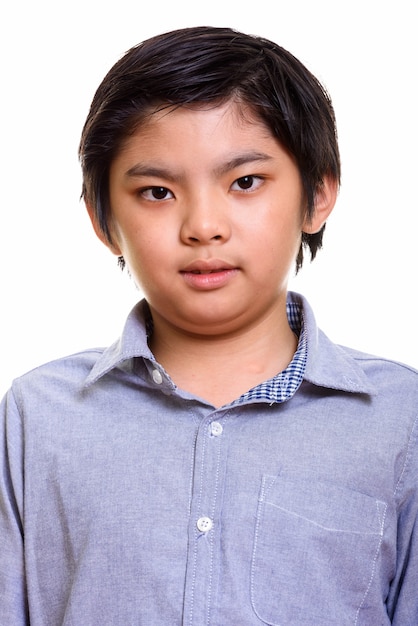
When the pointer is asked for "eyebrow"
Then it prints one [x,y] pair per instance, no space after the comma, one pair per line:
[242,159]
[144,169]
[148,169]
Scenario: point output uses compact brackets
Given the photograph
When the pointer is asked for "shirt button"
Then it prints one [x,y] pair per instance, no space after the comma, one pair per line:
[204,524]
[216,429]
[157,377]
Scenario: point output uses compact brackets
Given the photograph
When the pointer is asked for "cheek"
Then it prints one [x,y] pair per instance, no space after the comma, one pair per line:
[279,240]
[148,250]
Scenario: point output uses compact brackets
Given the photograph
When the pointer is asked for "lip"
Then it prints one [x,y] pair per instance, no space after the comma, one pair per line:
[208,274]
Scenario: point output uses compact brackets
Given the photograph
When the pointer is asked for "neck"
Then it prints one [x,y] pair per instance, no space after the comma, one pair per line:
[220,368]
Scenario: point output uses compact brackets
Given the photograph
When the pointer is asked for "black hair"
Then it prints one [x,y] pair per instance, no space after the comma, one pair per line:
[212,65]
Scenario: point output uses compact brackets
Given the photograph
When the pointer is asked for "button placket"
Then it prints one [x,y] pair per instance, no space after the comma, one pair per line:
[204,556]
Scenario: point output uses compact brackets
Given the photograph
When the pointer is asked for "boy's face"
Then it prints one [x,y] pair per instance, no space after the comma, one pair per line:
[207,210]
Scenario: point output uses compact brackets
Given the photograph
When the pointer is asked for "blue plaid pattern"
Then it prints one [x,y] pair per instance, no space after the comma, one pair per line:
[285,384]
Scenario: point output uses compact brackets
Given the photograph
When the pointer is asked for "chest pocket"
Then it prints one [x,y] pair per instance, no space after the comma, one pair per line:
[315,551]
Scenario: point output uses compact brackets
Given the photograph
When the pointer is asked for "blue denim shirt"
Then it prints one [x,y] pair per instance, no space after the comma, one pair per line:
[125,501]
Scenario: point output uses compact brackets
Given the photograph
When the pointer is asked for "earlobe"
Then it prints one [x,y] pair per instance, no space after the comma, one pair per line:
[325,199]
[99,232]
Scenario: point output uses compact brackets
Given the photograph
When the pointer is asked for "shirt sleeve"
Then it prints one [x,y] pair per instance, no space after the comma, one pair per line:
[13,597]
[403,596]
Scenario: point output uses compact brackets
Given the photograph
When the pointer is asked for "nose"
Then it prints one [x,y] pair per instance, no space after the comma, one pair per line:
[205,221]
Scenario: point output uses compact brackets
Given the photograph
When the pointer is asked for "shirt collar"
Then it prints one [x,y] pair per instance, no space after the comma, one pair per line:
[133,343]
[327,364]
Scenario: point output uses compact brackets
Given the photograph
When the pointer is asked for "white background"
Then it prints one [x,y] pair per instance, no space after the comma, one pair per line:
[61,290]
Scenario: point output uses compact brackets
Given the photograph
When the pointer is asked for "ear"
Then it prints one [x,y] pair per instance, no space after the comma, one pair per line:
[114,248]
[325,199]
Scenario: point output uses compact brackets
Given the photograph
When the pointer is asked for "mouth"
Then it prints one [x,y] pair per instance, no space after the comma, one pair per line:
[221,269]
[206,275]
[209,266]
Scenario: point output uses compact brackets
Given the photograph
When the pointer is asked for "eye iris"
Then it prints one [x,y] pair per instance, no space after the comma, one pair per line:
[245,182]
[159,193]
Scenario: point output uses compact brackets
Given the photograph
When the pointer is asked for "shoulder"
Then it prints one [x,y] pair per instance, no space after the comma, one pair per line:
[60,377]
[333,366]
[384,372]
[372,388]
[77,364]
[394,398]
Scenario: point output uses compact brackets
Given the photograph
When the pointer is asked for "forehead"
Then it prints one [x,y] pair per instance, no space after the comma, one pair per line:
[225,121]
[237,111]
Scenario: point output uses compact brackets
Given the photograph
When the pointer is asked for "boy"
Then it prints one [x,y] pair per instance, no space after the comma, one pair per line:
[223,463]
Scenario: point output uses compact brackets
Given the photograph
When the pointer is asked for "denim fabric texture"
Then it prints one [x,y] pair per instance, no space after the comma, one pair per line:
[125,501]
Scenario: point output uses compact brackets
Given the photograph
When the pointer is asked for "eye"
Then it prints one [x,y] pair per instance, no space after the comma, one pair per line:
[247,183]
[154,194]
